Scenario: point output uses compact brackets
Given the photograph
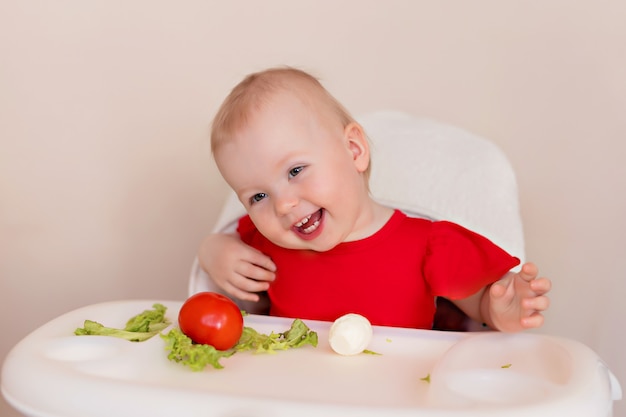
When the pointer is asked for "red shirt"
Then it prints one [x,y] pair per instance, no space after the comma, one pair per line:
[391,277]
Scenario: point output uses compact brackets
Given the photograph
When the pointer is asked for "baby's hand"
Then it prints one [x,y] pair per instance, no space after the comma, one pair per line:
[237,268]
[518,300]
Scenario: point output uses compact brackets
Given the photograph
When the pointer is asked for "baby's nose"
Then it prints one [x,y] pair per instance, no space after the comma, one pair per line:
[284,203]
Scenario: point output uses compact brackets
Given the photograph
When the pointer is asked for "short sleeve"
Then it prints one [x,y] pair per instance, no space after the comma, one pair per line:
[459,262]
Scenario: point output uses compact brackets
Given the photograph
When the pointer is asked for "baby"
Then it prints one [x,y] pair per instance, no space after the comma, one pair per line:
[317,241]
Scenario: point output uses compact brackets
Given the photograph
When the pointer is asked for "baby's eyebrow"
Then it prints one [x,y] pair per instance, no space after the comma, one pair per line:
[244,195]
[289,159]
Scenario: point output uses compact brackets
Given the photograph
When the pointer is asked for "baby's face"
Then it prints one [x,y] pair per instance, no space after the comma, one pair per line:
[299,174]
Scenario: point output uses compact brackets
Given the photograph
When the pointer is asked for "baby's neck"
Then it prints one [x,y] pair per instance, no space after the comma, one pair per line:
[375,216]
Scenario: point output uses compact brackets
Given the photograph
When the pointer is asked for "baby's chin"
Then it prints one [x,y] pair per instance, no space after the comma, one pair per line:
[299,244]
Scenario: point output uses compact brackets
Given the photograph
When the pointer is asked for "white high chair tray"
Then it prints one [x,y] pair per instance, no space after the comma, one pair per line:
[53,373]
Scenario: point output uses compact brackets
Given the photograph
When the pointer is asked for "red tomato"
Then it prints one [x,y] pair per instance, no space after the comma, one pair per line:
[212,319]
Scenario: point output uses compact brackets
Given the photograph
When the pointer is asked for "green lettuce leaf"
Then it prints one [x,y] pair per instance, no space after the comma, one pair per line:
[197,356]
[141,327]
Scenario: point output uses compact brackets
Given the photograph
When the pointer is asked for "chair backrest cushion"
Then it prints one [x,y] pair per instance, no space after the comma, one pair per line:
[434,170]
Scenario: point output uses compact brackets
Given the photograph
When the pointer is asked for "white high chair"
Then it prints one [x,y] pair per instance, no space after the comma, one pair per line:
[426,169]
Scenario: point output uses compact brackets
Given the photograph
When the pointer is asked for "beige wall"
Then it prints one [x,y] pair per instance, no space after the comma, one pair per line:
[106,183]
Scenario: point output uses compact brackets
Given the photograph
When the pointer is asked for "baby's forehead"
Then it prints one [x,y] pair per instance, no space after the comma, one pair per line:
[264,98]
[280,105]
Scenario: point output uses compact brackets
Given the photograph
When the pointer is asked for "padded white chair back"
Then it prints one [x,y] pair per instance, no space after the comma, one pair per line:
[442,172]
[426,169]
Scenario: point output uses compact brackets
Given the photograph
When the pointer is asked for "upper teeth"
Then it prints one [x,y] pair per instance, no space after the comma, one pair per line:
[303,221]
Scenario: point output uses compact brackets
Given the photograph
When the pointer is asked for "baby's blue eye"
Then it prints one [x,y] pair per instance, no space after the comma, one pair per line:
[257,197]
[295,171]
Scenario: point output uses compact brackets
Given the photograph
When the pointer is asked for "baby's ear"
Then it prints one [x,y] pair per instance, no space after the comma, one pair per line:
[358,145]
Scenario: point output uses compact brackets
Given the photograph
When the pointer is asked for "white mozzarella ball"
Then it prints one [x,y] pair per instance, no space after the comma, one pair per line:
[350,334]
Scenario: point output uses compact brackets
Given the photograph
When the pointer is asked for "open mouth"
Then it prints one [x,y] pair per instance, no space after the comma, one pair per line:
[309,224]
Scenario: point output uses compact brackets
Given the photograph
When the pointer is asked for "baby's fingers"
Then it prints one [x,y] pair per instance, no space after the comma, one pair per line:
[254,272]
[504,286]
[258,259]
[239,293]
[533,321]
[535,304]
[541,285]
[251,278]
[529,272]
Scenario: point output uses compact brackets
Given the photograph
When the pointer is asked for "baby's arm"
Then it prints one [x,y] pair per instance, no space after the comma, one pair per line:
[513,303]
[237,268]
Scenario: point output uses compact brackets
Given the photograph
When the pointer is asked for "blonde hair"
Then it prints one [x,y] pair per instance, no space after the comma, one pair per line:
[256,90]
